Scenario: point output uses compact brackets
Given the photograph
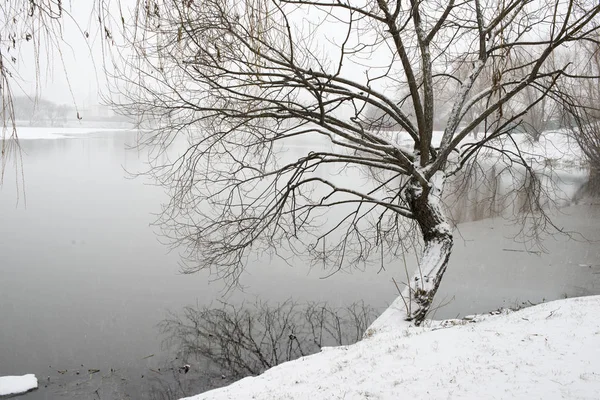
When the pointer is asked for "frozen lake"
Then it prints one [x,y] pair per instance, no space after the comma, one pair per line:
[84,280]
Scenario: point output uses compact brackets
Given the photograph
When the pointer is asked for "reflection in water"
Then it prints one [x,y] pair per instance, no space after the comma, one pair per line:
[234,341]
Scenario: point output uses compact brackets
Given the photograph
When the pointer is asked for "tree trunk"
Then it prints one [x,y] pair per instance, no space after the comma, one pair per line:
[416,299]
[437,239]
[590,189]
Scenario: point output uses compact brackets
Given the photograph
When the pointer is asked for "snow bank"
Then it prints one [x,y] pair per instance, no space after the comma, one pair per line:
[550,351]
[13,385]
[554,148]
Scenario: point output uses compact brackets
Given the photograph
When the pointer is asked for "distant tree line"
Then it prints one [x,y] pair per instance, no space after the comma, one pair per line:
[40,111]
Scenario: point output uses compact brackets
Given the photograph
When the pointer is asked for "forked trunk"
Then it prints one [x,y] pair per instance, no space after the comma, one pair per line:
[415,302]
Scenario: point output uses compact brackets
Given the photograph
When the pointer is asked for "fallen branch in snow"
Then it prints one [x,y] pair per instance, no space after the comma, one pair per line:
[552,312]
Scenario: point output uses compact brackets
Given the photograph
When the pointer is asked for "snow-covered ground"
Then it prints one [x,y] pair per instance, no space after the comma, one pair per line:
[555,146]
[550,351]
[14,385]
[556,149]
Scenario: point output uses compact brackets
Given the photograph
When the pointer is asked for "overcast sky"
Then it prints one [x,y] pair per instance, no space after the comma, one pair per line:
[73,72]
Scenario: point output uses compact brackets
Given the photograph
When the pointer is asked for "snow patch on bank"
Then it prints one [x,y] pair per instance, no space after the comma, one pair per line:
[550,351]
[13,385]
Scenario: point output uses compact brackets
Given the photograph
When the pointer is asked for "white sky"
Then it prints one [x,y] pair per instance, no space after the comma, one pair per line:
[79,76]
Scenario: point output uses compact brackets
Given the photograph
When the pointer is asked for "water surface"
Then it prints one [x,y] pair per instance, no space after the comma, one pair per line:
[84,279]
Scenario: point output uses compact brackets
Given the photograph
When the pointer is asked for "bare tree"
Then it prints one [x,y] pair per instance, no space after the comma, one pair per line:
[242,79]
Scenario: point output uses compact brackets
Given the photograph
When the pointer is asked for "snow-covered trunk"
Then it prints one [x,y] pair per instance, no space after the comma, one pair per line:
[416,299]
[427,209]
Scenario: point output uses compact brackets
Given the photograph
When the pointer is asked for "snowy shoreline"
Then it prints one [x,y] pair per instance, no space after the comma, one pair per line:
[53,133]
[549,351]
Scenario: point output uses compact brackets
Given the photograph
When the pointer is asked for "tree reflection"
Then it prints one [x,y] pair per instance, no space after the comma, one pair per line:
[243,340]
